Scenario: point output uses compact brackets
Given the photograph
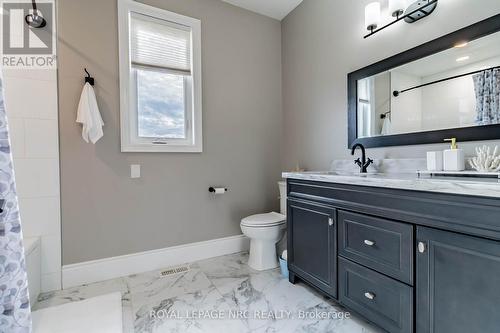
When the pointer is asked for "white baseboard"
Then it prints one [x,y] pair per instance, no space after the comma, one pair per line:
[110,268]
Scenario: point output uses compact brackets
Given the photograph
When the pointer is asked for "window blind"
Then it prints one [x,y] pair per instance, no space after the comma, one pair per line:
[161,44]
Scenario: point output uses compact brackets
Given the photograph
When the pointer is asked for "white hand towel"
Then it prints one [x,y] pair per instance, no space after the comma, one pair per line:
[89,115]
[386,126]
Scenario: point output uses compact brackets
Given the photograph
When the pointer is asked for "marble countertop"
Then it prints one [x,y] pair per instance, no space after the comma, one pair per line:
[487,187]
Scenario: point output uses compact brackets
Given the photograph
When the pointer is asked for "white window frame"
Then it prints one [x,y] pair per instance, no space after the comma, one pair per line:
[130,142]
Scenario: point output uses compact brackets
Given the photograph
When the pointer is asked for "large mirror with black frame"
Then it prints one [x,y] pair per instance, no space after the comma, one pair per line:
[449,87]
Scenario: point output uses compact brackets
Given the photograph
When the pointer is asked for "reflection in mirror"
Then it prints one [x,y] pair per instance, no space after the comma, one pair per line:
[459,87]
[374,105]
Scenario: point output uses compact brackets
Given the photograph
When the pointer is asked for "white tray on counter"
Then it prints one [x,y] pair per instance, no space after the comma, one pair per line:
[468,173]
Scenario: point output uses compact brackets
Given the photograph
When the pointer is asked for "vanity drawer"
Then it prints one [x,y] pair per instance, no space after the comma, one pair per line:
[383,245]
[380,299]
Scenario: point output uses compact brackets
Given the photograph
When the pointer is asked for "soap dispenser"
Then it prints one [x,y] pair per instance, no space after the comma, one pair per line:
[453,158]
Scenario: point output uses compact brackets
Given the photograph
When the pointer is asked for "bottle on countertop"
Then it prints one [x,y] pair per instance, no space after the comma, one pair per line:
[435,160]
[453,158]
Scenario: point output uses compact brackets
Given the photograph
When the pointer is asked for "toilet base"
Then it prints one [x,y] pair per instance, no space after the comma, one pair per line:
[262,255]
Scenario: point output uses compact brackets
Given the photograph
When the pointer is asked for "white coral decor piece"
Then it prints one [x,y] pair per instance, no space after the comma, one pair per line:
[485,160]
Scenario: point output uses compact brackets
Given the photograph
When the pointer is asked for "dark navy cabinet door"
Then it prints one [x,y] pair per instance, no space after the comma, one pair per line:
[312,248]
[458,283]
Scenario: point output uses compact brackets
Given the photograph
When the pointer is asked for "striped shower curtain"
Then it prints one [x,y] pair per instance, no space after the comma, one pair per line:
[15,316]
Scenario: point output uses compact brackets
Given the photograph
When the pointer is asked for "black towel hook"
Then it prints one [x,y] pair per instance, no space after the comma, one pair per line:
[89,78]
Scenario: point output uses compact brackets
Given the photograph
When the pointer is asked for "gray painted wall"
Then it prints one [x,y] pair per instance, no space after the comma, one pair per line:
[104,212]
[322,41]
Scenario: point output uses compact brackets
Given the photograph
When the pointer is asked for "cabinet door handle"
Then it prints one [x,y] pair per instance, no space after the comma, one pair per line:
[369,242]
[421,247]
[330,221]
[369,295]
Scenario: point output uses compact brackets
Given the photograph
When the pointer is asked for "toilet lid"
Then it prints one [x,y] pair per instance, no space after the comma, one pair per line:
[264,220]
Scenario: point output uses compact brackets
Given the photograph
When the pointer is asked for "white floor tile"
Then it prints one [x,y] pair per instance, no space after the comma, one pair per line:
[223,286]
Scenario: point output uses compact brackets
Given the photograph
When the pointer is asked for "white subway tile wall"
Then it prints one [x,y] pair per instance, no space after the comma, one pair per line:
[31,103]
[16,126]
[41,215]
[37,177]
[51,249]
[42,141]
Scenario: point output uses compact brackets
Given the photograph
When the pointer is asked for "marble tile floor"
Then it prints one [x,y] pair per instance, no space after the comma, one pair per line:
[217,295]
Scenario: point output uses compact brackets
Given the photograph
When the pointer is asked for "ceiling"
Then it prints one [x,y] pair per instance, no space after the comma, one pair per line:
[276,9]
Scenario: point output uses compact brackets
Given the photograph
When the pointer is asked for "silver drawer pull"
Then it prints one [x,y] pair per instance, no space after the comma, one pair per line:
[369,242]
[370,296]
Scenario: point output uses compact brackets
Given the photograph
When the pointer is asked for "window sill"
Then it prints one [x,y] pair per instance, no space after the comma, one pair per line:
[161,148]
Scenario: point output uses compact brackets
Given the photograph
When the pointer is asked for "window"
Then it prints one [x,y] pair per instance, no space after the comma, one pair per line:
[160,80]
[365,107]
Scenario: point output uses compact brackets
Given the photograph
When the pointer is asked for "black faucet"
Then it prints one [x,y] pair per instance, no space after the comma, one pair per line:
[363,163]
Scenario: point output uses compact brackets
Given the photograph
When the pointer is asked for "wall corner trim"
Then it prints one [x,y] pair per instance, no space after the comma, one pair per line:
[109,268]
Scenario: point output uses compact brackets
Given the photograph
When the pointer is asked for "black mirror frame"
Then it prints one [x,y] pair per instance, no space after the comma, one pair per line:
[475,133]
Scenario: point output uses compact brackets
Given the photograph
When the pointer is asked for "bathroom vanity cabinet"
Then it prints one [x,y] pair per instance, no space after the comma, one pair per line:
[458,283]
[313,233]
[408,261]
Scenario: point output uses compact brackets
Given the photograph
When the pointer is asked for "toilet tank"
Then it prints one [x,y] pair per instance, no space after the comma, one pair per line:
[282,186]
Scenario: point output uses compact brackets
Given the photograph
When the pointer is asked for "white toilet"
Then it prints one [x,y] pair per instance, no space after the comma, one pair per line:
[264,231]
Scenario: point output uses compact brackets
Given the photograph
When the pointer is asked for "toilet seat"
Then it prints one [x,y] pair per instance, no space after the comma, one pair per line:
[264,220]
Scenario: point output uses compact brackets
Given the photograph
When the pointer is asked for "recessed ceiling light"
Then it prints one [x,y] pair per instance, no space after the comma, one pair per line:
[463,58]
[461,44]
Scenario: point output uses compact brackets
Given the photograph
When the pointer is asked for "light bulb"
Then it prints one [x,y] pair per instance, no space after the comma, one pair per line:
[397,7]
[461,44]
[372,15]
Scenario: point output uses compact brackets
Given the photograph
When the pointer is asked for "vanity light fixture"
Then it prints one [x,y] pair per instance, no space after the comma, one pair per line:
[459,45]
[397,7]
[372,15]
[400,11]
